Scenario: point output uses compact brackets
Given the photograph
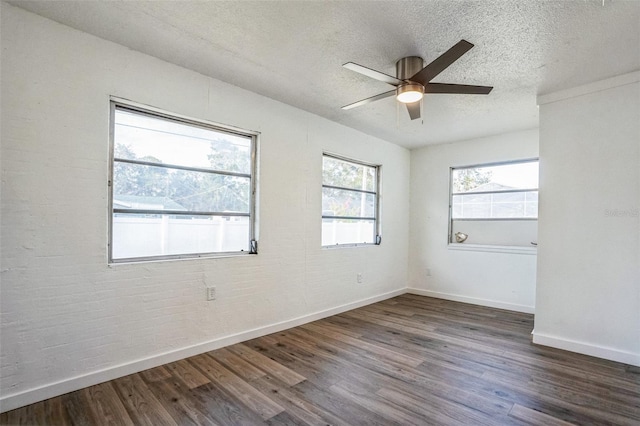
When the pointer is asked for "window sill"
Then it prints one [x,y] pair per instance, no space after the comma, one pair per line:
[493,249]
[340,246]
[178,258]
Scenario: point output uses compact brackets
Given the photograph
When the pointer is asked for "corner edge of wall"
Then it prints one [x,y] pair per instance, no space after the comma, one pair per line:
[597,86]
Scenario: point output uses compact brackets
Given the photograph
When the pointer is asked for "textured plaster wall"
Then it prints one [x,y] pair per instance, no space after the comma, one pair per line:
[65,312]
[588,290]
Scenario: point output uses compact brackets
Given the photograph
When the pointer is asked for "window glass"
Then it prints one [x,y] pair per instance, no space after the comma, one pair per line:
[347,174]
[347,232]
[350,192]
[501,177]
[178,188]
[138,136]
[496,205]
[181,189]
[160,235]
[342,202]
[504,191]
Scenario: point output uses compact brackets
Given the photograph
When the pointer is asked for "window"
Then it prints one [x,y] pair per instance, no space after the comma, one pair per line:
[178,188]
[487,201]
[350,202]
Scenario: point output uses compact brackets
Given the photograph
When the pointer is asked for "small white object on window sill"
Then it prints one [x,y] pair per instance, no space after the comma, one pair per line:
[493,248]
[461,237]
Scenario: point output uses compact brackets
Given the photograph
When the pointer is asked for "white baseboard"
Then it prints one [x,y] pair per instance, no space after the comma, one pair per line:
[473,300]
[51,390]
[587,349]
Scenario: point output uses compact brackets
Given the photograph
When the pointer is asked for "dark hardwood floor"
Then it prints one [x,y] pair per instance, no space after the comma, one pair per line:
[410,360]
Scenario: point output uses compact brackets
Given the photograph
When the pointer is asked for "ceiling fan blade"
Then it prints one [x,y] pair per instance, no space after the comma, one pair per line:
[457,88]
[429,72]
[369,100]
[377,75]
[414,110]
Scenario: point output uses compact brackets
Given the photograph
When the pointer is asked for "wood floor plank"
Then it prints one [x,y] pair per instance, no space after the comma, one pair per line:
[176,397]
[335,360]
[348,411]
[439,412]
[190,375]
[285,419]
[580,404]
[535,417]
[237,364]
[256,401]
[106,405]
[384,318]
[323,371]
[293,403]
[318,376]
[434,353]
[392,307]
[141,404]
[567,379]
[266,364]
[406,360]
[378,350]
[373,403]
[224,407]
[156,374]
[78,409]
[49,412]
[621,380]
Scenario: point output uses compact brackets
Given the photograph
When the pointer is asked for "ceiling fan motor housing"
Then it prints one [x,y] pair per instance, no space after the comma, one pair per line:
[408,67]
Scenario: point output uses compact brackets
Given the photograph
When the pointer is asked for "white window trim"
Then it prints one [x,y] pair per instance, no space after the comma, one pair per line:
[493,249]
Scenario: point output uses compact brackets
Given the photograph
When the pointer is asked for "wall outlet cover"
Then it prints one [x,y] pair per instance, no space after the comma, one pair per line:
[211,293]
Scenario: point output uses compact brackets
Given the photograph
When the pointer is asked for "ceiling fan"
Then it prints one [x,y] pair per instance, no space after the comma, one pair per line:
[412,81]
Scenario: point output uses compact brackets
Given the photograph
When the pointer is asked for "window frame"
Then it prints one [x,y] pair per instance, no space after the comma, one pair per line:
[377,238]
[475,166]
[157,113]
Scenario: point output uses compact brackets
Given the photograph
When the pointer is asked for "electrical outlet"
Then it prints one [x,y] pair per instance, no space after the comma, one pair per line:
[428,272]
[359,277]
[211,293]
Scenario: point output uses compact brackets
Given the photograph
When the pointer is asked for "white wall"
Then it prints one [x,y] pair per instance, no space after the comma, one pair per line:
[70,320]
[500,279]
[588,290]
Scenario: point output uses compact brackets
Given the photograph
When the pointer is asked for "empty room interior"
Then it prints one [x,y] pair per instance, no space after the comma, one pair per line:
[313,213]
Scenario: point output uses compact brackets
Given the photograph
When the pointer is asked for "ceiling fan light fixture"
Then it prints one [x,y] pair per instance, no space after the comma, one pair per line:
[409,93]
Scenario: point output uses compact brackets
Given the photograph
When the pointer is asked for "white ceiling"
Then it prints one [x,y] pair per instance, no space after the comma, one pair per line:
[293,52]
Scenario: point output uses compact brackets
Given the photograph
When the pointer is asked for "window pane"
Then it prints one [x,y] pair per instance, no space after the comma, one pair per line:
[531,209]
[142,137]
[357,198]
[164,235]
[189,173]
[338,202]
[348,175]
[342,231]
[497,205]
[496,178]
[160,188]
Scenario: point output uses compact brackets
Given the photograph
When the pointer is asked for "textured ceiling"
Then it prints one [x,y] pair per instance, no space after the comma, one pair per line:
[293,52]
